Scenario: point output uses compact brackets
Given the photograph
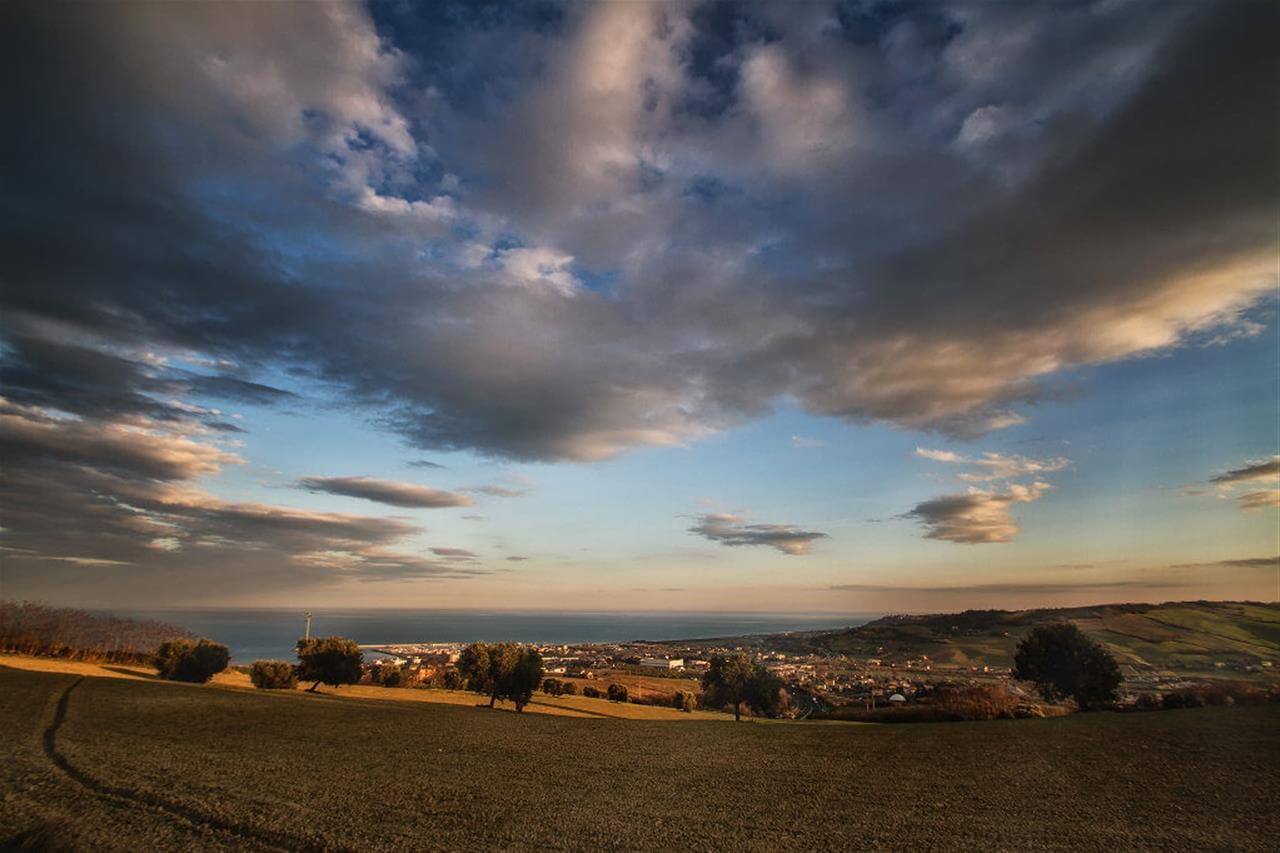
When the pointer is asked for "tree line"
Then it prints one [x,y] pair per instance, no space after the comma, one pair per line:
[33,628]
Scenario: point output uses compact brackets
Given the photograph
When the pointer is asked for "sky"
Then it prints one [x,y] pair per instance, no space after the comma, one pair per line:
[840,307]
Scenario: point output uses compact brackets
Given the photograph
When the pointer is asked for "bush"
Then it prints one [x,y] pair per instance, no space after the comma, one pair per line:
[591,692]
[453,680]
[273,675]
[1064,662]
[983,702]
[329,660]
[569,688]
[1147,702]
[682,701]
[553,687]
[617,693]
[195,661]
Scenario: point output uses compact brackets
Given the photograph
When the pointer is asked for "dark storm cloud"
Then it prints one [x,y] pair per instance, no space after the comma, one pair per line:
[388,492]
[679,219]
[732,530]
[1086,251]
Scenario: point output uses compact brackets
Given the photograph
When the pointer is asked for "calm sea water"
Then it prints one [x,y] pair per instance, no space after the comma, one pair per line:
[260,633]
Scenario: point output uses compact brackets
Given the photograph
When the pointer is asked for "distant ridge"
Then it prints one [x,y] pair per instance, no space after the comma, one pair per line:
[1188,636]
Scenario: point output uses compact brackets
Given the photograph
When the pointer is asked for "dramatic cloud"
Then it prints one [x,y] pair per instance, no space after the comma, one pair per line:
[977,516]
[677,268]
[388,492]
[733,530]
[563,234]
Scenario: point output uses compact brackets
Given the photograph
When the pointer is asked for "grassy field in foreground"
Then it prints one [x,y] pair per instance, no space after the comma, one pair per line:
[565,706]
[146,764]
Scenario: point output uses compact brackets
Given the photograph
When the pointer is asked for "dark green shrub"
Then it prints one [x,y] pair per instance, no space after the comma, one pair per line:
[329,660]
[195,661]
[617,693]
[454,680]
[273,675]
[569,688]
[1147,702]
[553,687]
[591,692]
[1065,663]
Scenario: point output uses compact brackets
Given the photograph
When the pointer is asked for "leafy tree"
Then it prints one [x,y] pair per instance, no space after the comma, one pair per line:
[273,675]
[473,666]
[503,658]
[617,693]
[195,661]
[1063,661]
[523,678]
[502,671]
[454,680]
[736,680]
[329,660]
[683,701]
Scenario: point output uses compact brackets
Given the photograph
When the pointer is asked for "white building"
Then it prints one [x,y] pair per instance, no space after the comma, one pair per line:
[663,663]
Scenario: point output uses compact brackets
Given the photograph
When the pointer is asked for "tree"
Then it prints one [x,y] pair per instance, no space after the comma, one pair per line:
[273,675]
[617,693]
[1063,661]
[454,680]
[553,687]
[736,680]
[195,661]
[329,660]
[568,688]
[523,678]
[502,670]
[686,702]
[473,666]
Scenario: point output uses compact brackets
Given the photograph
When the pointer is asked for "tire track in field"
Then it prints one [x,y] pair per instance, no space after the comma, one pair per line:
[271,838]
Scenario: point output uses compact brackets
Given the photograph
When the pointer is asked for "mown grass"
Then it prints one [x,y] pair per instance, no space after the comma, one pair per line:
[327,772]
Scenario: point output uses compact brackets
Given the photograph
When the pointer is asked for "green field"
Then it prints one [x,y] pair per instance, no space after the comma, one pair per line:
[131,765]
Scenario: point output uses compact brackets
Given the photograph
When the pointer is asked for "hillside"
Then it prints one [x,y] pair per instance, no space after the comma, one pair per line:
[1190,637]
[135,764]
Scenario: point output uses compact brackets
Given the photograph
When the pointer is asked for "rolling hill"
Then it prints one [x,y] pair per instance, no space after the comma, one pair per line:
[1191,637]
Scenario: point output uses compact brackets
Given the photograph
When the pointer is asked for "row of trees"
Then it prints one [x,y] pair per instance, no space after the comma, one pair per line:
[502,671]
[32,628]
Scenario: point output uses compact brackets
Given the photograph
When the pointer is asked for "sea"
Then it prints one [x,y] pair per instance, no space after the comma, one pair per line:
[252,634]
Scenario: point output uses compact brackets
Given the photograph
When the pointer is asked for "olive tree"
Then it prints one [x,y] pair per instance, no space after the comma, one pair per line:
[736,680]
[329,660]
[195,661]
[273,675]
[1063,661]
